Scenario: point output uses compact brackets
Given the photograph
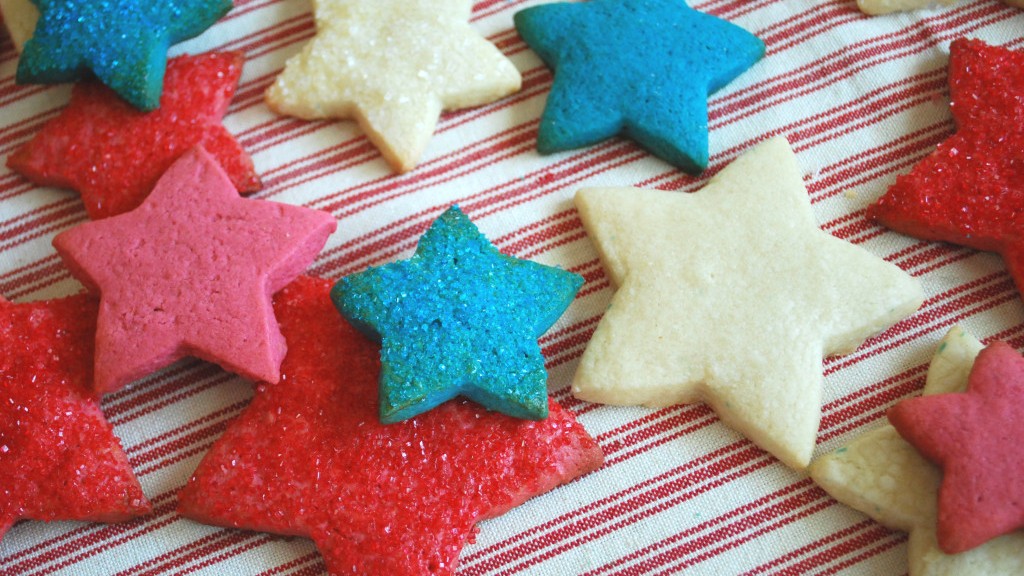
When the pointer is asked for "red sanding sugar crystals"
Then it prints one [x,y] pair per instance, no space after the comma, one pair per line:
[113,154]
[59,458]
[970,190]
[309,457]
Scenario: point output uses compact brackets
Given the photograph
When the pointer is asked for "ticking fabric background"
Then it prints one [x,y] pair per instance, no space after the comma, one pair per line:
[860,99]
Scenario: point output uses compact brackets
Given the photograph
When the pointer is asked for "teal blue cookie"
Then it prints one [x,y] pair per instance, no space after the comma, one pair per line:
[641,68]
[458,318]
[123,42]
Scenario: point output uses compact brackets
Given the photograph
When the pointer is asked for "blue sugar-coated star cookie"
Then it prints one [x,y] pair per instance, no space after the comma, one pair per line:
[458,318]
[123,42]
[641,68]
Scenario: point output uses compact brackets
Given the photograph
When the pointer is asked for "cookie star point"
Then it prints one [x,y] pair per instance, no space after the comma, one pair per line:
[639,68]
[392,67]
[458,318]
[59,457]
[178,276]
[123,42]
[731,295]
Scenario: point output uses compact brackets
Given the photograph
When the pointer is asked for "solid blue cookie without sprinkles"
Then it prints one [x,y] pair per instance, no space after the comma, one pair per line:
[458,318]
[123,42]
[640,68]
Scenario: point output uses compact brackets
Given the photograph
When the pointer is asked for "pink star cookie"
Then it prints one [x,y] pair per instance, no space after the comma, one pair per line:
[191,272]
[976,438]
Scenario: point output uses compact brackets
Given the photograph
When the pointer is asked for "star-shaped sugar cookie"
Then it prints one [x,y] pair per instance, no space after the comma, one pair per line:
[970,190]
[19,18]
[876,7]
[975,437]
[883,476]
[59,457]
[459,317]
[123,42]
[308,457]
[392,66]
[191,271]
[641,68]
[113,154]
[732,295]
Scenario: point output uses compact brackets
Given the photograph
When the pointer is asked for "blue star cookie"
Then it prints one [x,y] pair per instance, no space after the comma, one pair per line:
[459,317]
[641,68]
[123,42]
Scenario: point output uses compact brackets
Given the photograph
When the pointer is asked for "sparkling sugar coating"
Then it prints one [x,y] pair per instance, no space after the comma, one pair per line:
[123,42]
[113,154]
[975,437]
[640,68]
[883,476]
[459,317]
[393,66]
[309,457]
[59,458]
[970,190]
[732,296]
[191,271]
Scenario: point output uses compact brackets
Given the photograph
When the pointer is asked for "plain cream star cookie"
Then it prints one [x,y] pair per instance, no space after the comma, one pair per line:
[393,66]
[20,18]
[876,7]
[732,296]
[883,476]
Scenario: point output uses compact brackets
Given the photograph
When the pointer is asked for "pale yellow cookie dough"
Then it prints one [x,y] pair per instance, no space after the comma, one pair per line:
[393,66]
[883,476]
[732,296]
[20,18]
[876,7]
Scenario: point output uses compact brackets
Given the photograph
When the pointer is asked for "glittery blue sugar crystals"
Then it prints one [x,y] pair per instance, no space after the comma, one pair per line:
[458,318]
[123,42]
[641,68]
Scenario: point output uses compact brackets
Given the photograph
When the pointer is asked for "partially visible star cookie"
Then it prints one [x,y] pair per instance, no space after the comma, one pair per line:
[731,296]
[123,42]
[458,318]
[975,437]
[641,68]
[392,66]
[113,154]
[19,18]
[308,457]
[876,7]
[883,476]
[970,190]
[191,271]
[59,457]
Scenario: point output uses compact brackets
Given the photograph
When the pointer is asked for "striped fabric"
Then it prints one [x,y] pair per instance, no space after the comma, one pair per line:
[860,99]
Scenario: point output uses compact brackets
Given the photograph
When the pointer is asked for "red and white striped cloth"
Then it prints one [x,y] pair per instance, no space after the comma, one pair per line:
[860,99]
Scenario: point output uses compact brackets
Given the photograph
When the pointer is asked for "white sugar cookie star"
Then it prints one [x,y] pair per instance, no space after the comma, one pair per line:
[393,66]
[876,7]
[732,296]
[883,476]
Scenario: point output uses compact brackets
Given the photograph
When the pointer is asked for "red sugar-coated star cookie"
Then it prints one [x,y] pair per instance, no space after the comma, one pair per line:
[970,190]
[59,458]
[113,154]
[977,438]
[191,271]
[309,456]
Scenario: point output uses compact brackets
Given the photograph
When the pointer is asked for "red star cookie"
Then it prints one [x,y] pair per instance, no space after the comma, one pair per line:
[976,438]
[191,272]
[970,190]
[113,154]
[309,457]
[59,458]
